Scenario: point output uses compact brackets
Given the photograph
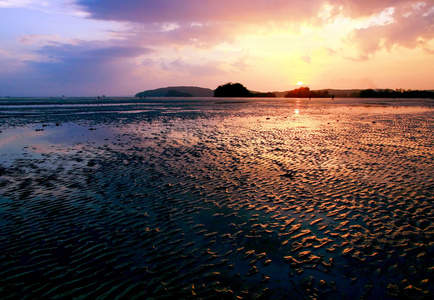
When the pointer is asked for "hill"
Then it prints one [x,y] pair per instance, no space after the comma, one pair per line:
[194,91]
[337,93]
[344,93]
[177,91]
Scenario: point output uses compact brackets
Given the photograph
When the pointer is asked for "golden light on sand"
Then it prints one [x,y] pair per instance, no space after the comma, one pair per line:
[300,83]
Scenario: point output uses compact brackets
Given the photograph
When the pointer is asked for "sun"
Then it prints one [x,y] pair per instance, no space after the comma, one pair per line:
[300,83]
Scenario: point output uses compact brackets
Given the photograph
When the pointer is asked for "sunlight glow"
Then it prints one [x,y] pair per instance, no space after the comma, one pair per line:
[300,83]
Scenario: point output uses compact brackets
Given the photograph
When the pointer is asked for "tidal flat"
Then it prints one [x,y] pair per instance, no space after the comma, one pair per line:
[216,199]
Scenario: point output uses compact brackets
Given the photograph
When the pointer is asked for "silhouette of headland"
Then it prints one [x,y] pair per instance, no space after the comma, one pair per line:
[237,90]
[177,91]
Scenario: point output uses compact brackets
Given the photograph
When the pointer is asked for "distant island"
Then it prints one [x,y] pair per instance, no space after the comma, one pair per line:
[227,90]
[237,90]
[177,91]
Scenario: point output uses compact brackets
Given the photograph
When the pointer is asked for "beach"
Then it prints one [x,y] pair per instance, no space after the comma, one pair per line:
[216,198]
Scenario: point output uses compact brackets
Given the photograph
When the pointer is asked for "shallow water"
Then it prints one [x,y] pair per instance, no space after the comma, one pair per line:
[219,198]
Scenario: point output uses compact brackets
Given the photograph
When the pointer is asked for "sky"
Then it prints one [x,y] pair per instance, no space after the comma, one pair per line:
[119,48]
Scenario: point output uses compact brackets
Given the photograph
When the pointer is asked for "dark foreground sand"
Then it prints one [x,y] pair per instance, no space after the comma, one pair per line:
[217,199]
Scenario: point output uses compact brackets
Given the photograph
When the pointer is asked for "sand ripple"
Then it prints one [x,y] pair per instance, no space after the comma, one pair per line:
[242,200]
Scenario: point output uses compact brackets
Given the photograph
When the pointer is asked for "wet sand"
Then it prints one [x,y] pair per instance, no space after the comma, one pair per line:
[216,199]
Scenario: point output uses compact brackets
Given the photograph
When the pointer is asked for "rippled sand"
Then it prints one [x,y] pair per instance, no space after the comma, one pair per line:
[220,199]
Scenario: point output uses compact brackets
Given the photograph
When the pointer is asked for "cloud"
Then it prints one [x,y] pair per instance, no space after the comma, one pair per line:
[37,38]
[167,34]
[412,26]
[330,51]
[199,11]
[306,58]
[80,68]
[47,6]
[99,66]
[202,24]
[16,3]
[180,67]
[241,64]
[241,11]
[185,39]
[207,23]
[97,52]
[85,62]
[365,8]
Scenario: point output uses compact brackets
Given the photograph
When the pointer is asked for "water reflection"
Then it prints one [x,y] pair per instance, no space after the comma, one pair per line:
[237,201]
[37,140]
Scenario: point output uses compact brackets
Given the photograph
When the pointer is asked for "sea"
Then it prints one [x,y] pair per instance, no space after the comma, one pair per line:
[216,198]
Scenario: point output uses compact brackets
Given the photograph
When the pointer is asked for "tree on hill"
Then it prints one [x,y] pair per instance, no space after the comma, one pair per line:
[232,90]
[305,92]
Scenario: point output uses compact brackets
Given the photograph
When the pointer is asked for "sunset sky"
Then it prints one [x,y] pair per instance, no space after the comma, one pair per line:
[119,48]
